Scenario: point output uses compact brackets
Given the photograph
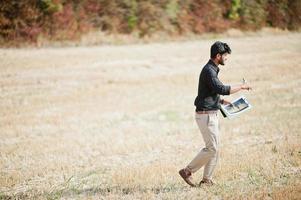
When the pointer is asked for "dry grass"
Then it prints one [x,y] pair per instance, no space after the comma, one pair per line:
[117,122]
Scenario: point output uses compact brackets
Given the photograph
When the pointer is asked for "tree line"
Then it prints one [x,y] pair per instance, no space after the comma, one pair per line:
[27,20]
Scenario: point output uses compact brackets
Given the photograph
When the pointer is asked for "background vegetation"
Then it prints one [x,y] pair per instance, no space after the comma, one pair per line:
[57,20]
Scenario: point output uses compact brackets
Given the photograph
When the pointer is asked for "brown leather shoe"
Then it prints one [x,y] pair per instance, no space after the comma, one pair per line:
[206,182]
[186,175]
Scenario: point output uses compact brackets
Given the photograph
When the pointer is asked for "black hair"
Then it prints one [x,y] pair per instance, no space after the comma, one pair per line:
[219,48]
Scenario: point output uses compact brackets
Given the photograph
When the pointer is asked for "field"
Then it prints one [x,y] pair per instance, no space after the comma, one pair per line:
[117,122]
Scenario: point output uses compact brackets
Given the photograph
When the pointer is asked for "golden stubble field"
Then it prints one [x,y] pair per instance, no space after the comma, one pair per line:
[117,122]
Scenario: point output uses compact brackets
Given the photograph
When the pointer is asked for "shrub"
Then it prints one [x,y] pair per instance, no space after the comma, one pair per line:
[207,16]
[278,15]
[48,6]
[253,14]
[294,11]
[20,20]
[151,16]
[233,12]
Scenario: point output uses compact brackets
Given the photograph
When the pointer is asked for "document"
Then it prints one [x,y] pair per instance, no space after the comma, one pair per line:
[236,107]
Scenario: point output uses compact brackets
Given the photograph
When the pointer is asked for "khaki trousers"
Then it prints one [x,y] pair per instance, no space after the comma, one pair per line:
[209,155]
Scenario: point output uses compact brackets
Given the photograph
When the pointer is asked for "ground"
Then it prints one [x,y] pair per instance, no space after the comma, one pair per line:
[117,122]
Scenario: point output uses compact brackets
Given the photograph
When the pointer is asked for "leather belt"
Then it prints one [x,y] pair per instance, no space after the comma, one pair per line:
[207,112]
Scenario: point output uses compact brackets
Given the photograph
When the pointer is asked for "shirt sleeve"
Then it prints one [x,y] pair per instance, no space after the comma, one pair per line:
[215,84]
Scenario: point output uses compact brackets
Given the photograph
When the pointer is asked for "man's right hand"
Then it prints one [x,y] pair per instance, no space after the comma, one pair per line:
[237,88]
[245,87]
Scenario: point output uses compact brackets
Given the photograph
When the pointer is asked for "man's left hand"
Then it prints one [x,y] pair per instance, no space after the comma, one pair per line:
[225,102]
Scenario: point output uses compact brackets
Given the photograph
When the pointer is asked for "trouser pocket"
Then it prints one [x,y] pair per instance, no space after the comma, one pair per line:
[211,119]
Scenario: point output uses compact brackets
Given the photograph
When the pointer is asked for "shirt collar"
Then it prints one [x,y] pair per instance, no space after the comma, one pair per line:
[214,66]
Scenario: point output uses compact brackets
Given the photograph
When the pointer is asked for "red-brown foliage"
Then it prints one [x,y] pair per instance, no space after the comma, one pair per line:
[27,20]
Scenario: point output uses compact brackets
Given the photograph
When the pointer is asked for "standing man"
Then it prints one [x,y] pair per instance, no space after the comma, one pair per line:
[207,105]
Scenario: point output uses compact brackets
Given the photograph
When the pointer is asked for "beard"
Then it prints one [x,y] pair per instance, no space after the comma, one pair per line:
[221,62]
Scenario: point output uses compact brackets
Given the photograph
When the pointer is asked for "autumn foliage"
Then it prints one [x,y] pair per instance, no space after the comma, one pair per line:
[27,20]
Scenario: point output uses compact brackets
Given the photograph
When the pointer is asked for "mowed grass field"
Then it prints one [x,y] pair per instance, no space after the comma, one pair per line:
[117,122]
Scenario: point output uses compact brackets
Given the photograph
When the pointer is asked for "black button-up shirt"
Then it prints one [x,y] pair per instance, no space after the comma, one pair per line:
[210,88]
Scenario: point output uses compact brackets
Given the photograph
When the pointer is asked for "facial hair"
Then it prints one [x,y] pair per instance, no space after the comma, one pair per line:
[221,61]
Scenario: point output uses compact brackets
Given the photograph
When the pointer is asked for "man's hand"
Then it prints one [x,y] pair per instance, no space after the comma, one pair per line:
[245,86]
[225,102]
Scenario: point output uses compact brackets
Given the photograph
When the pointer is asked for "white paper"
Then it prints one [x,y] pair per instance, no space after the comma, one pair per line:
[237,107]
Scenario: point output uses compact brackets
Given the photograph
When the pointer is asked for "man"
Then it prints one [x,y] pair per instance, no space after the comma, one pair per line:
[207,105]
